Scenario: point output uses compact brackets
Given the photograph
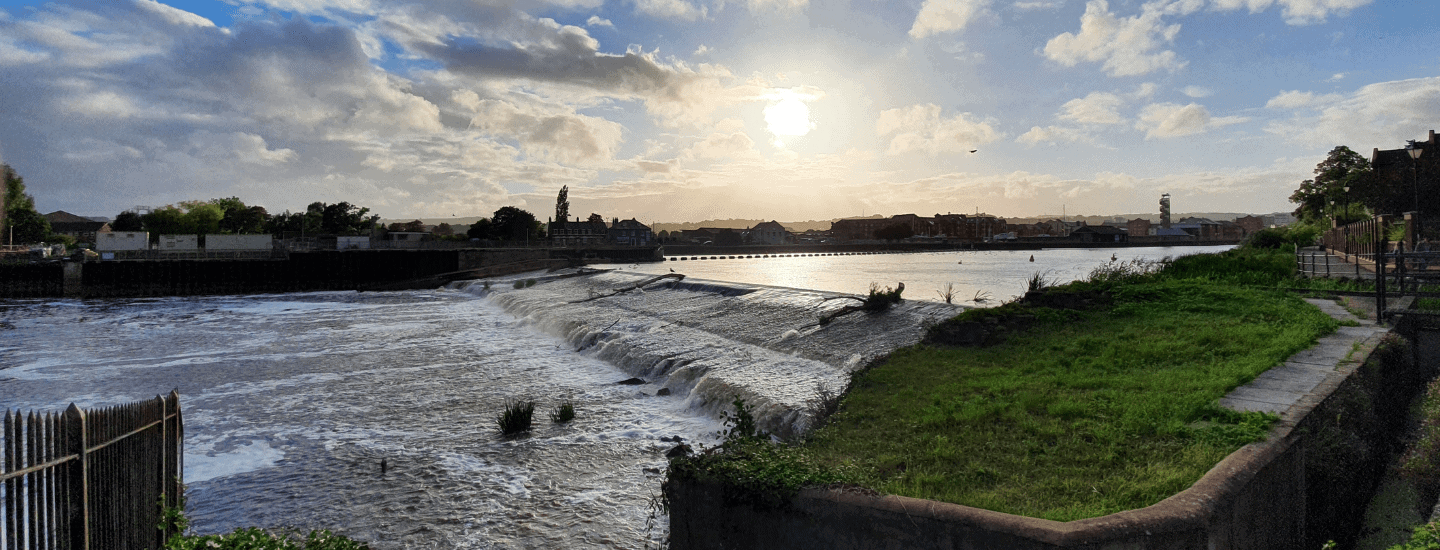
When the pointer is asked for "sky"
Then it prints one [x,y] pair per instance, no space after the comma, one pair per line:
[687,110]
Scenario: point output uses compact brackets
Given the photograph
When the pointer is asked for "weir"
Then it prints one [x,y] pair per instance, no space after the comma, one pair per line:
[711,342]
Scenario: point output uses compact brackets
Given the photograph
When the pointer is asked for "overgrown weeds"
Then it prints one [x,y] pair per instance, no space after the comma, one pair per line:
[516,417]
[947,293]
[173,520]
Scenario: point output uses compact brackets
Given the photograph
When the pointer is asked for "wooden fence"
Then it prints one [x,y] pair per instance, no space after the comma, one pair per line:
[89,479]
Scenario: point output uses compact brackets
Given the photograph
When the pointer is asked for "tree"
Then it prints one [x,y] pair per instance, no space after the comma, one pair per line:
[511,223]
[894,232]
[342,218]
[480,229]
[127,221]
[202,217]
[21,220]
[595,218]
[443,230]
[167,220]
[1341,168]
[239,218]
[562,204]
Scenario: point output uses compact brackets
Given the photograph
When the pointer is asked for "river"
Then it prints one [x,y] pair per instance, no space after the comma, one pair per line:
[292,401]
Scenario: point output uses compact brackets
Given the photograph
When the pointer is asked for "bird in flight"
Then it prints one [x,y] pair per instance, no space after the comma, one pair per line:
[974,150]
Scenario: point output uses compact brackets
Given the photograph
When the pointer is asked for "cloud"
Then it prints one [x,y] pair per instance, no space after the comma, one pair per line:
[1126,45]
[1167,120]
[942,16]
[1052,134]
[922,128]
[1025,6]
[671,9]
[1377,115]
[596,21]
[1096,108]
[1296,12]
[777,5]
[557,136]
[172,15]
[1336,77]
[702,50]
[1196,92]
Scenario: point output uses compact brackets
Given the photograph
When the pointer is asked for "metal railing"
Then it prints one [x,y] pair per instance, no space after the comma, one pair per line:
[90,479]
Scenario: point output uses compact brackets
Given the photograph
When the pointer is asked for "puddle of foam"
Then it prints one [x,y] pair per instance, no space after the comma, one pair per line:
[254,455]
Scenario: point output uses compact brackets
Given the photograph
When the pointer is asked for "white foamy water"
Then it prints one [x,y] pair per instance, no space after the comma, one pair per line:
[291,401]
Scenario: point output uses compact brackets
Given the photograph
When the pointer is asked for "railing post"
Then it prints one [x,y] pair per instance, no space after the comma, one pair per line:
[173,452]
[77,482]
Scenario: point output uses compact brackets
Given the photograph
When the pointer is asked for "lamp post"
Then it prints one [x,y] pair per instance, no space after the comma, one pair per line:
[1415,171]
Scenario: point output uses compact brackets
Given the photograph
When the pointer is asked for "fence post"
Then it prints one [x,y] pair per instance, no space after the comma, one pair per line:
[171,483]
[79,498]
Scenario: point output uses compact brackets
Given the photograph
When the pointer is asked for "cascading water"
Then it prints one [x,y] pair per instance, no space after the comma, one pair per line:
[714,341]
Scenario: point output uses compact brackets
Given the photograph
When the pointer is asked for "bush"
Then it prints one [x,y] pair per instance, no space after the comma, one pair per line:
[516,417]
[1425,537]
[881,300]
[253,538]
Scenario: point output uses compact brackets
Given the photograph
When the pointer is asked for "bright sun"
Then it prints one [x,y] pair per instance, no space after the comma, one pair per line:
[788,117]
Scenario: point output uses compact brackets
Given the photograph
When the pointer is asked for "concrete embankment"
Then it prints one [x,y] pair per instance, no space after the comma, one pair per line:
[1305,484]
[297,272]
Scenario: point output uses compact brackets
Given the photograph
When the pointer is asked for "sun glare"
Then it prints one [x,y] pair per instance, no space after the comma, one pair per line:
[788,117]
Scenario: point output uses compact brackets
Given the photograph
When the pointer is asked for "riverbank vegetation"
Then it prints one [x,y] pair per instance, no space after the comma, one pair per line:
[1076,401]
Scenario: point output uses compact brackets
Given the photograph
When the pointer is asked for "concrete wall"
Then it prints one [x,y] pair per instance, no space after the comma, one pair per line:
[122,240]
[1287,492]
[239,242]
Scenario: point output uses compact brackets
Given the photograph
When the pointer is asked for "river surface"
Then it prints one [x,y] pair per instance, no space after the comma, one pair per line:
[994,276]
[291,401]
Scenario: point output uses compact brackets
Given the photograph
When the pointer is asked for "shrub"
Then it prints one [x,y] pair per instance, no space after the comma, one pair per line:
[880,300]
[564,413]
[1425,537]
[516,417]
[740,424]
[519,284]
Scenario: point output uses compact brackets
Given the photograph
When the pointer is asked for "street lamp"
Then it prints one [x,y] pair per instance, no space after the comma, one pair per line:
[1347,203]
[1415,171]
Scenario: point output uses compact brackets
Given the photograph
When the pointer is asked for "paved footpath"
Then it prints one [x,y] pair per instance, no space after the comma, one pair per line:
[1279,388]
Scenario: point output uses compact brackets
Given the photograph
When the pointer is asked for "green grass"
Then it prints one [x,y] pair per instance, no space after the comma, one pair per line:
[1080,413]
[563,413]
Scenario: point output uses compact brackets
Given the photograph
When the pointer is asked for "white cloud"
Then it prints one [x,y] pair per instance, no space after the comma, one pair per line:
[776,5]
[1126,45]
[702,50]
[1296,12]
[671,9]
[172,15]
[1052,134]
[1050,5]
[1144,90]
[1296,99]
[922,128]
[1378,115]
[597,21]
[1167,120]
[1196,92]
[1336,77]
[546,134]
[1096,108]
[942,16]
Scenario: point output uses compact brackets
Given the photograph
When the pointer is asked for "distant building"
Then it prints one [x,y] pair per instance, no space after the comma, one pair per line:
[1099,234]
[1138,227]
[630,232]
[857,229]
[82,229]
[578,233]
[770,232]
[1278,219]
[1250,224]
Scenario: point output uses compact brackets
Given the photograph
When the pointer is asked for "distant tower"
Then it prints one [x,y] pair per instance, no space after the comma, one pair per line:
[1165,211]
[562,204]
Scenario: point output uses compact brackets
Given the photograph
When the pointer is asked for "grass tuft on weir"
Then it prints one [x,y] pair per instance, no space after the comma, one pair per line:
[1074,412]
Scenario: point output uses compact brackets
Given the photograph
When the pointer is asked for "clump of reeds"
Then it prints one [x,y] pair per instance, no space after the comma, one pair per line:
[564,413]
[516,417]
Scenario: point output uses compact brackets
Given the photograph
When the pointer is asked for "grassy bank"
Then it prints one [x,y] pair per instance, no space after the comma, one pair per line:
[1077,401]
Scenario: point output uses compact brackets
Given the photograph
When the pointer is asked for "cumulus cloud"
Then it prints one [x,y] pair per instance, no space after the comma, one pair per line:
[1296,12]
[922,128]
[942,16]
[1127,45]
[1377,115]
[597,21]
[563,137]
[1167,120]
[172,15]
[1096,108]
[1039,5]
